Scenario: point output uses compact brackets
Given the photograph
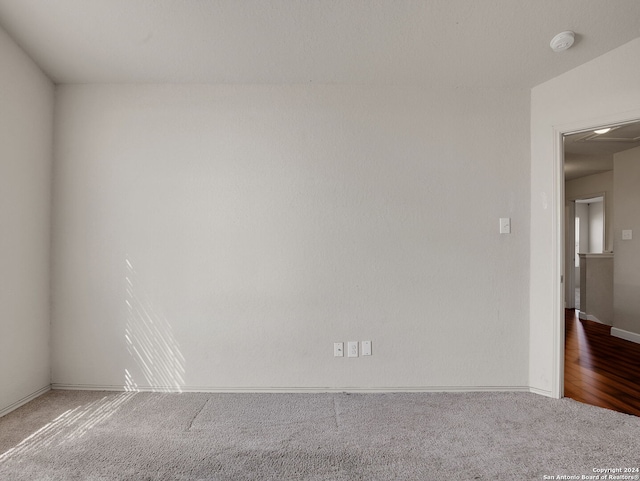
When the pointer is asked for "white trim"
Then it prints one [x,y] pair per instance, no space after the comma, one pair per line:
[626,335]
[541,392]
[557,231]
[586,196]
[24,400]
[205,389]
[570,254]
[599,255]
[590,317]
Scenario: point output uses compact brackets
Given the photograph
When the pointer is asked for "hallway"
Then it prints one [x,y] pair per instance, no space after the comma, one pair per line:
[600,369]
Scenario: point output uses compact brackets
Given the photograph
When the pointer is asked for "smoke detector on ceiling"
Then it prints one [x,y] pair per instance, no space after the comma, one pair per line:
[562,41]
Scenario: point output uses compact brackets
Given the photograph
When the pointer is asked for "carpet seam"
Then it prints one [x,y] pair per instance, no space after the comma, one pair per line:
[197,414]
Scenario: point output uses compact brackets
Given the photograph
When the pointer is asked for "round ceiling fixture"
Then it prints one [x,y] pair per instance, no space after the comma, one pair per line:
[562,41]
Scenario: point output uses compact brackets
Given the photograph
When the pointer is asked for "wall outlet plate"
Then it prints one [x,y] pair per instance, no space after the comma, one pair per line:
[352,349]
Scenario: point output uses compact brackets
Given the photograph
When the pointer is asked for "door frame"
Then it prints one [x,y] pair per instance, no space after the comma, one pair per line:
[570,245]
[570,254]
[559,131]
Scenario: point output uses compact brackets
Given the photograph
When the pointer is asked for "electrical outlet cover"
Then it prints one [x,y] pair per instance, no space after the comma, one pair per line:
[352,349]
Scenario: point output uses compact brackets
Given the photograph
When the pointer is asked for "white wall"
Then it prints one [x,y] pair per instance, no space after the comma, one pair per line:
[223,237]
[601,91]
[596,292]
[582,212]
[596,227]
[626,272]
[26,115]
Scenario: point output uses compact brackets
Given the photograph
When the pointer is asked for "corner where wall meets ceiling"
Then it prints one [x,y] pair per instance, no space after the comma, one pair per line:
[462,43]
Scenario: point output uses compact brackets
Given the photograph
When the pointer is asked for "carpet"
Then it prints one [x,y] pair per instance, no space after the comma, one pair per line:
[82,435]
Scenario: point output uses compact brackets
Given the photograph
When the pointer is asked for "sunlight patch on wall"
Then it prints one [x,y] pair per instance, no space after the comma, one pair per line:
[150,341]
[70,425]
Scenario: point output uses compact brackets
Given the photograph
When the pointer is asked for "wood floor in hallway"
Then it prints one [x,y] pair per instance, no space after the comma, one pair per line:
[600,369]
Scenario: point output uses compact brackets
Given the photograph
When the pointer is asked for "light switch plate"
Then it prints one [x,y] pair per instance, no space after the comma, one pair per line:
[627,234]
[366,348]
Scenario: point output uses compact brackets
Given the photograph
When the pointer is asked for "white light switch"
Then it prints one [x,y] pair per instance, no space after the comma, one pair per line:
[627,234]
[505,225]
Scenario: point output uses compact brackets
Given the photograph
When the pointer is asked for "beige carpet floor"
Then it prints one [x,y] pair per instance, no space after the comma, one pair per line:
[75,435]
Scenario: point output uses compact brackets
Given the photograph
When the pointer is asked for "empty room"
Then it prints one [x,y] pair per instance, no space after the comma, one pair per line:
[311,239]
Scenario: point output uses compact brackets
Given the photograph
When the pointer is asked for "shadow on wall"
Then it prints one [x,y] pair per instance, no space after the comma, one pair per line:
[151,343]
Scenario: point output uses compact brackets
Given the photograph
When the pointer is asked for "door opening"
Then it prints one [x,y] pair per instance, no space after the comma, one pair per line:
[587,162]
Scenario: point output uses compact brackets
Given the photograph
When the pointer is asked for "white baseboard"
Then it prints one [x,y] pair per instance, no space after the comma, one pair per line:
[627,335]
[589,317]
[541,392]
[206,389]
[24,400]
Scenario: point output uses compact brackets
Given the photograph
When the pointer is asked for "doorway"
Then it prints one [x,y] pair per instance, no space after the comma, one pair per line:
[584,234]
[588,164]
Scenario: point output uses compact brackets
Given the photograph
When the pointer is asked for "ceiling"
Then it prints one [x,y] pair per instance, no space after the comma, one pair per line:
[588,153]
[473,43]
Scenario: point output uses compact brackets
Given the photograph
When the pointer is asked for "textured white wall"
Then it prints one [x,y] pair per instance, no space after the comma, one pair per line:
[598,92]
[220,237]
[26,120]
[626,261]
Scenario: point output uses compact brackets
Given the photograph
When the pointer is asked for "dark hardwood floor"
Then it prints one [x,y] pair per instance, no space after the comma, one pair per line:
[600,369]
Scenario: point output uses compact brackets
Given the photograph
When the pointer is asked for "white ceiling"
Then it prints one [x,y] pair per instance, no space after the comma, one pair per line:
[588,153]
[477,43]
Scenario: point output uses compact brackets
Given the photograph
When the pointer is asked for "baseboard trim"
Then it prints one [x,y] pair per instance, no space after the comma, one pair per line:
[24,400]
[173,389]
[626,335]
[588,317]
[541,392]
